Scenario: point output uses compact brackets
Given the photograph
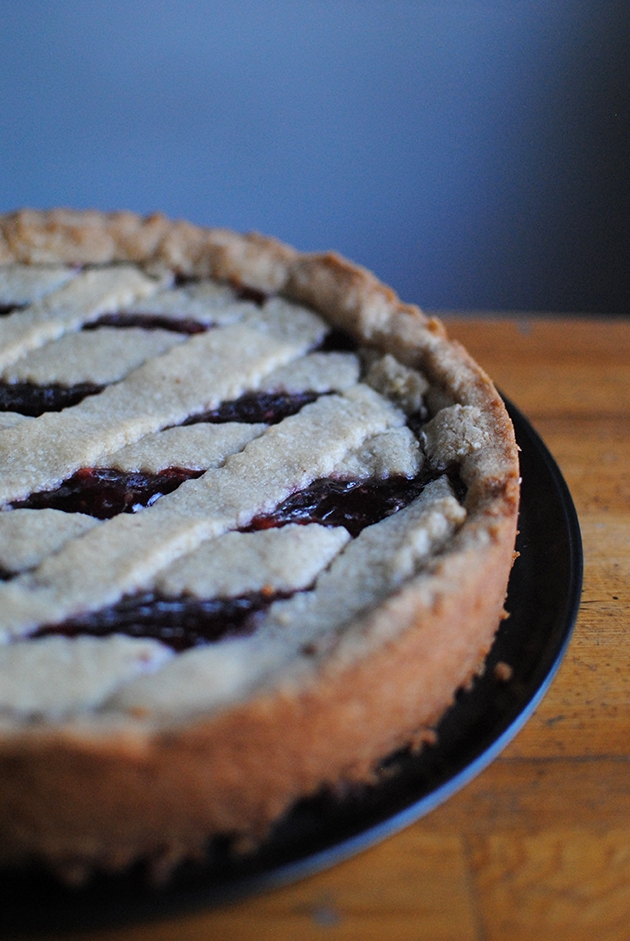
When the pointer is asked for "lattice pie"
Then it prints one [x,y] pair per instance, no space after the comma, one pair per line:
[257,519]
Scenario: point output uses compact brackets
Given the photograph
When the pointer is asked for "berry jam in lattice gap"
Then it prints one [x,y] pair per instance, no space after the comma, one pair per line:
[180,623]
[255,295]
[148,321]
[104,492]
[254,407]
[353,504]
[27,399]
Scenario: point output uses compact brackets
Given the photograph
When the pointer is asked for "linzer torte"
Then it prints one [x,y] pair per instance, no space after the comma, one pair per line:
[257,518]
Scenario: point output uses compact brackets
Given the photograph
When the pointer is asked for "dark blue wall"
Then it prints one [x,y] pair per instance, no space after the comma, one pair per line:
[474,154]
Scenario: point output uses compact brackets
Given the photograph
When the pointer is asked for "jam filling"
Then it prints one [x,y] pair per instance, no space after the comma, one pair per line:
[349,503]
[253,407]
[27,399]
[338,341]
[185,622]
[104,493]
[148,322]
[254,295]
[180,623]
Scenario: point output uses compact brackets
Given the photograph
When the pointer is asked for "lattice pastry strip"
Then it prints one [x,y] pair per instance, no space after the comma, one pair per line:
[288,559]
[79,301]
[279,560]
[195,447]
[124,554]
[272,560]
[84,673]
[11,419]
[206,302]
[211,367]
[24,284]
[54,676]
[360,575]
[108,354]
[97,356]
[316,372]
[27,537]
[381,557]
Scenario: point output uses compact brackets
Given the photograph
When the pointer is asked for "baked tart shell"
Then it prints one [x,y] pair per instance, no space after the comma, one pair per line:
[89,793]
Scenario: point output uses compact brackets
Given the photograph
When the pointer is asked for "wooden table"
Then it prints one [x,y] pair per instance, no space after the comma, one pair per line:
[538,846]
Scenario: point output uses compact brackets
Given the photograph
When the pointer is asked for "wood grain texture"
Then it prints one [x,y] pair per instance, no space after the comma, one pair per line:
[538,846]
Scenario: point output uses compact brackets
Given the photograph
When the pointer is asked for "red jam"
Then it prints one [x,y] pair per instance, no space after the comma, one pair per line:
[148,322]
[254,295]
[352,504]
[253,407]
[178,622]
[185,622]
[33,400]
[104,493]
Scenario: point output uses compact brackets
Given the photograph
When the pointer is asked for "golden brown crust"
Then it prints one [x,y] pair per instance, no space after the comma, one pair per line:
[75,237]
[157,791]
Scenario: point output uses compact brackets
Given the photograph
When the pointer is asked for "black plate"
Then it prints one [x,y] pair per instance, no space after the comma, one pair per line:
[543,599]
